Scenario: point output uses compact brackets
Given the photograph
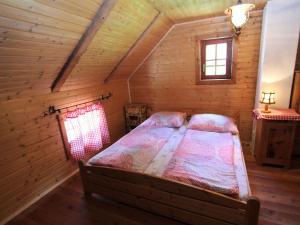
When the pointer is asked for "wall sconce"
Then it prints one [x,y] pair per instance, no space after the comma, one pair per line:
[239,15]
[267,99]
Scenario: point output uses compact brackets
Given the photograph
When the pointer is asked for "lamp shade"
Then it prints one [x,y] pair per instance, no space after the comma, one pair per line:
[267,98]
[239,14]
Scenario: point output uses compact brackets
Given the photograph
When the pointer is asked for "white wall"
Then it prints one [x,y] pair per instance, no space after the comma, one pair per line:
[279,41]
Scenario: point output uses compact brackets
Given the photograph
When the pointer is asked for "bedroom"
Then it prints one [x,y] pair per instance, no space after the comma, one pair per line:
[113,65]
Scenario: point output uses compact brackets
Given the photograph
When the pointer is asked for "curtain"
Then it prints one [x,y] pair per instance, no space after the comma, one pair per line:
[86,130]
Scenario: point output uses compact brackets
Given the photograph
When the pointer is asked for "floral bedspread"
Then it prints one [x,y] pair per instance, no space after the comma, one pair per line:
[136,150]
[205,159]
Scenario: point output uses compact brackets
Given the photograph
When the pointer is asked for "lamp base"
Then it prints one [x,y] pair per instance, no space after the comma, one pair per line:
[237,31]
[266,109]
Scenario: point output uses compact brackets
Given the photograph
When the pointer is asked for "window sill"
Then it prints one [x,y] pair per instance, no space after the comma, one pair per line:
[215,81]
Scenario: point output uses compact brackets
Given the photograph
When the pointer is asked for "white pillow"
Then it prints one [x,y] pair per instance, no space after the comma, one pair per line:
[213,123]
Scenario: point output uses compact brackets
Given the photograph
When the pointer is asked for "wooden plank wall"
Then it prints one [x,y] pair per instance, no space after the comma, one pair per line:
[32,155]
[166,81]
[295,103]
[36,37]
[297,64]
[296,98]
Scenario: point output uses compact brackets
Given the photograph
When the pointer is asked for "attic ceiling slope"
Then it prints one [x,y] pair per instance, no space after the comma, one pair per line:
[36,37]
[133,47]
[188,10]
[83,43]
[147,42]
[124,25]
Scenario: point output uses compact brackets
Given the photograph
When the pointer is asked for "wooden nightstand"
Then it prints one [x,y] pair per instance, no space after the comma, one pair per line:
[275,134]
[135,114]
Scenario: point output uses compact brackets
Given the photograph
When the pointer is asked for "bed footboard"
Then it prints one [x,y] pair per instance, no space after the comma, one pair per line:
[175,200]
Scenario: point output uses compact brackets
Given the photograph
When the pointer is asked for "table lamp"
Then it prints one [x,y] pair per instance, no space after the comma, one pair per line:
[267,99]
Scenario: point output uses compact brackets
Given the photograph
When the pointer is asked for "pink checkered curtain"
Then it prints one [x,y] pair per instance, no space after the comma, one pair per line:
[86,131]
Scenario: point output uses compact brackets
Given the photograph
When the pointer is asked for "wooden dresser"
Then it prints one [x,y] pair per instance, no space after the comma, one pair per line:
[275,136]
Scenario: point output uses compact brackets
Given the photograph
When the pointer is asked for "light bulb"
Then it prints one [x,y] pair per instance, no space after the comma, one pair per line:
[239,16]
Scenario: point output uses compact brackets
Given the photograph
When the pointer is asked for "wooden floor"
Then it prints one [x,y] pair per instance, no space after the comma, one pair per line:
[278,189]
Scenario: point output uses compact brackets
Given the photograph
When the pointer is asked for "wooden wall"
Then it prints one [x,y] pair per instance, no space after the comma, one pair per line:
[166,81]
[295,103]
[32,156]
[36,37]
[295,100]
[297,64]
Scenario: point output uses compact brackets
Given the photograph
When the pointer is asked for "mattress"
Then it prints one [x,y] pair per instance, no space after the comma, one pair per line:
[150,150]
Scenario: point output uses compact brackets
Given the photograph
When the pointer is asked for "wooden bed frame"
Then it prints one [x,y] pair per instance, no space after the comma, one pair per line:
[175,200]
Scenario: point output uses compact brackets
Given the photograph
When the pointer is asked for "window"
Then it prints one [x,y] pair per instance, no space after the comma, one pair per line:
[85,131]
[216,59]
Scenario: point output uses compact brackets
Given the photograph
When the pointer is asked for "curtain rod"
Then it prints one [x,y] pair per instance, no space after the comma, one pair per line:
[53,110]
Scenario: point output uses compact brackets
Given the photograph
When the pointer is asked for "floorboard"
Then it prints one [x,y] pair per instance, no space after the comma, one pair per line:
[277,188]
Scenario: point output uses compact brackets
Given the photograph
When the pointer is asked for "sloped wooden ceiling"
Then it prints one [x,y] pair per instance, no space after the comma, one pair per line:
[36,37]
[132,30]
[147,42]
[126,22]
[55,28]
[187,10]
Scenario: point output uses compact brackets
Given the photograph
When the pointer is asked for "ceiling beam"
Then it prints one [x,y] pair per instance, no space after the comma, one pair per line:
[134,47]
[162,38]
[83,43]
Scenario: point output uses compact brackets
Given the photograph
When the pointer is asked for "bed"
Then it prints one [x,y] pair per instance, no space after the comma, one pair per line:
[160,169]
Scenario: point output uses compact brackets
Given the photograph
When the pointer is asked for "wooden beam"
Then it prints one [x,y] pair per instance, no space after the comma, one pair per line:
[133,47]
[83,43]
[151,51]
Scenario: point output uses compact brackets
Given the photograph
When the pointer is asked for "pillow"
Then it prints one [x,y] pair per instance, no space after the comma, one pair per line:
[213,123]
[168,119]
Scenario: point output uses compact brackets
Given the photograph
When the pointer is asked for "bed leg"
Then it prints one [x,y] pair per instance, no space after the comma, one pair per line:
[85,185]
[252,214]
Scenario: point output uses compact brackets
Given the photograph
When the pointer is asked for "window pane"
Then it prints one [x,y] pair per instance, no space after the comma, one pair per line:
[210,62]
[221,70]
[222,51]
[221,62]
[210,70]
[210,52]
